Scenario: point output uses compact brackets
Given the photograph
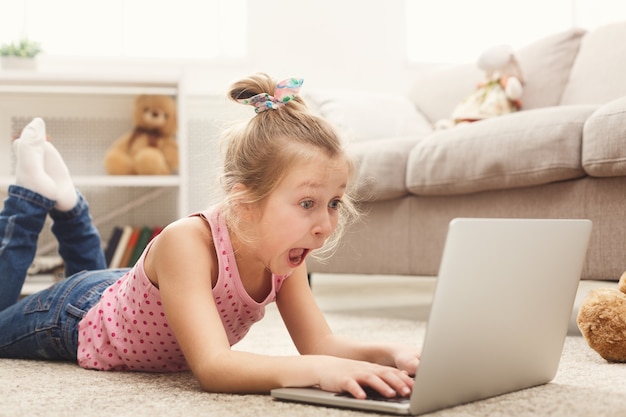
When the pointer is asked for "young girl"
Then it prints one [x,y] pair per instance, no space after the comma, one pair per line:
[202,282]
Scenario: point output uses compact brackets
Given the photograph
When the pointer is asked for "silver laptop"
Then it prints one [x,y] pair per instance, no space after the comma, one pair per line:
[500,313]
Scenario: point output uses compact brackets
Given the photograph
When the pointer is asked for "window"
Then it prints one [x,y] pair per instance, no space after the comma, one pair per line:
[590,14]
[456,31]
[187,29]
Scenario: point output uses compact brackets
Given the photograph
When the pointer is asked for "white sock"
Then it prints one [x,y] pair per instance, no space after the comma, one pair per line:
[29,170]
[55,167]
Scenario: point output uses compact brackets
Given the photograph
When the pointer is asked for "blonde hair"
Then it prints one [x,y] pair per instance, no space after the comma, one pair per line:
[261,151]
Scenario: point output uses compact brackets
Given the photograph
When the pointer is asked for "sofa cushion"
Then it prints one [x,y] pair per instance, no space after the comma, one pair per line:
[545,66]
[604,140]
[364,115]
[381,167]
[521,149]
[597,76]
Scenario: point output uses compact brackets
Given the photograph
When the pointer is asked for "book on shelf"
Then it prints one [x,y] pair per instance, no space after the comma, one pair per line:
[143,238]
[112,243]
[127,243]
[155,231]
[130,247]
[116,261]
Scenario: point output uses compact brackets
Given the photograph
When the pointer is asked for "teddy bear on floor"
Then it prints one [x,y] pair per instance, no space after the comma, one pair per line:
[602,321]
[499,93]
[151,147]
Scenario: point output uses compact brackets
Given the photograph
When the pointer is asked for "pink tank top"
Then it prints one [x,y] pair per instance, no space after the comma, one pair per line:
[127,329]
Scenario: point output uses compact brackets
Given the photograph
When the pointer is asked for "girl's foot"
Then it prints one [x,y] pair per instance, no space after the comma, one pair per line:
[29,170]
[55,167]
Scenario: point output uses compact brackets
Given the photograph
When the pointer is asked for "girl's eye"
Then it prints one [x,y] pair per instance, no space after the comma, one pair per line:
[307,204]
[334,204]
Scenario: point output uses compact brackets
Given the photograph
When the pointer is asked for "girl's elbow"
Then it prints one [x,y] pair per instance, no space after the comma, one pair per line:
[212,373]
[222,374]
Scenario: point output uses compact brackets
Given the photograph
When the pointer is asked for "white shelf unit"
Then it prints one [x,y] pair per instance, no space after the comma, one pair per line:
[84,114]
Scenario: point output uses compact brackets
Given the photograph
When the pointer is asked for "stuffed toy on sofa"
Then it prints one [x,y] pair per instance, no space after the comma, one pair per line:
[151,147]
[602,321]
[499,93]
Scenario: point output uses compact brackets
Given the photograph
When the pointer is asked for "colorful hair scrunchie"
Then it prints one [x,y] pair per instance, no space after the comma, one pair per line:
[285,91]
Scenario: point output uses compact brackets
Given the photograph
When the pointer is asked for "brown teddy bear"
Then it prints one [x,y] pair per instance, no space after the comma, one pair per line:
[602,321]
[151,148]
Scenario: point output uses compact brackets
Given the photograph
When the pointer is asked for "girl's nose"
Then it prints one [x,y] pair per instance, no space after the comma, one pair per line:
[323,226]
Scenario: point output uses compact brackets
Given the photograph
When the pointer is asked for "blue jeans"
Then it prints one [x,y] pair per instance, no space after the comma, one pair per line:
[45,325]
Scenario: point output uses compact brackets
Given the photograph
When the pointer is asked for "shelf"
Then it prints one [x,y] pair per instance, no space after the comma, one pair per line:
[85,112]
[128,180]
[81,83]
[114,180]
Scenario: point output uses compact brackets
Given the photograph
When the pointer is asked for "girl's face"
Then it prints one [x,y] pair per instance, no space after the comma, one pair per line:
[301,213]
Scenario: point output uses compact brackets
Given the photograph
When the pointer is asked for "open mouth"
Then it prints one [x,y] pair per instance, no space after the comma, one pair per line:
[296,256]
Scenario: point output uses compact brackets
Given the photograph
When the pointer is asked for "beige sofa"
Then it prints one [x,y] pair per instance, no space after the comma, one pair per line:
[563,156]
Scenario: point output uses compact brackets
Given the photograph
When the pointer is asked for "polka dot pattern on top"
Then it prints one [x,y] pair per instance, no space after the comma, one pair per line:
[237,309]
[127,329]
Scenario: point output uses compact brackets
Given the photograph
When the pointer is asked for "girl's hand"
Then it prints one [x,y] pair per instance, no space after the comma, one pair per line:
[346,375]
[407,358]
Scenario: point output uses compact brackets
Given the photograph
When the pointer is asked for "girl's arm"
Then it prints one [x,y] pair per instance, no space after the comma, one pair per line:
[182,263]
[312,336]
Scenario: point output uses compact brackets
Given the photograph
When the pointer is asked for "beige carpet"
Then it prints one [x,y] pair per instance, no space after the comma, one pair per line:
[585,385]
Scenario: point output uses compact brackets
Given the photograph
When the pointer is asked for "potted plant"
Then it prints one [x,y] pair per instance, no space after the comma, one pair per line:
[19,55]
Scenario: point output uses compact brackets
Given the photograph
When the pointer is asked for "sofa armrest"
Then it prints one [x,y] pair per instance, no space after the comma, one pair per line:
[604,136]
[381,168]
[364,115]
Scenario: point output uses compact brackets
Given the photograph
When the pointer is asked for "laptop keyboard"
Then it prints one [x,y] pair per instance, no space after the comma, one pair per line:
[374,395]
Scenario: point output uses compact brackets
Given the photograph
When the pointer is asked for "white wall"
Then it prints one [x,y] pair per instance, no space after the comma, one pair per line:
[349,43]
[330,43]
[352,44]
